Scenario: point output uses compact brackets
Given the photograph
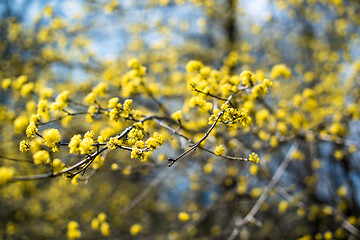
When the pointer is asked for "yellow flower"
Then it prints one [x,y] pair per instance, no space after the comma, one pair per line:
[74,144]
[90,98]
[86,145]
[176,115]
[52,138]
[183,216]
[135,229]
[253,157]
[6,174]
[100,89]
[155,141]
[73,231]
[283,206]
[20,124]
[280,70]
[193,66]
[41,157]
[133,63]
[58,165]
[247,78]
[95,223]
[219,150]
[105,229]
[24,146]
[31,130]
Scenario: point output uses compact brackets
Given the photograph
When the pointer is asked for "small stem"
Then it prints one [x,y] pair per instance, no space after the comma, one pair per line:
[196,145]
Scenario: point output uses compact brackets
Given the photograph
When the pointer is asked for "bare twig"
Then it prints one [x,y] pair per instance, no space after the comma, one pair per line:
[147,190]
[206,93]
[15,159]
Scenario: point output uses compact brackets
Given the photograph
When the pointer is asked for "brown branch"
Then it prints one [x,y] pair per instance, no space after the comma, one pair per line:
[197,144]
[88,159]
[206,93]
[15,159]
[174,131]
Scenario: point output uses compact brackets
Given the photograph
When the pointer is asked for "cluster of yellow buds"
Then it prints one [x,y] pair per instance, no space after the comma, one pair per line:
[84,146]
[117,110]
[113,143]
[136,134]
[193,66]
[154,142]
[133,80]
[247,78]
[31,129]
[201,103]
[260,89]
[280,70]
[52,138]
[61,101]
[231,115]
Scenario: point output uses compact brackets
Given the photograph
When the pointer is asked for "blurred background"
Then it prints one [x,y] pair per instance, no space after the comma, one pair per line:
[308,48]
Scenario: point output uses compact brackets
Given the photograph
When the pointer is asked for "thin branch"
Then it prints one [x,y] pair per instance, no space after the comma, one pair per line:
[255,209]
[88,159]
[59,118]
[15,159]
[197,144]
[147,190]
[206,93]
[160,105]
[174,131]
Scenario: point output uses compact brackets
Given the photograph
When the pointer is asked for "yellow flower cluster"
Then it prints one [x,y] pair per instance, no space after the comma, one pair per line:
[119,111]
[201,103]
[73,231]
[184,216]
[135,229]
[90,98]
[52,138]
[176,115]
[219,150]
[91,113]
[193,66]
[61,101]
[98,162]
[231,115]
[132,81]
[74,144]
[20,124]
[100,223]
[57,165]
[31,129]
[280,70]
[100,89]
[154,142]
[6,174]
[24,146]
[260,89]
[143,149]
[253,157]
[112,143]
[43,109]
[247,78]
[84,146]
[136,134]
[41,157]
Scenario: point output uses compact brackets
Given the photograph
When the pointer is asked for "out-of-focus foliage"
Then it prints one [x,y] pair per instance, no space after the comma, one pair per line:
[253,105]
